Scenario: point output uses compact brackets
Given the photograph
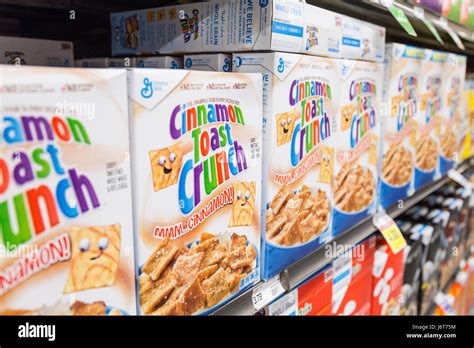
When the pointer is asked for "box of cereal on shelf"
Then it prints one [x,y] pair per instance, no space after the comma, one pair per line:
[65,193]
[401,99]
[453,117]
[197,187]
[357,145]
[429,117]
[301,95]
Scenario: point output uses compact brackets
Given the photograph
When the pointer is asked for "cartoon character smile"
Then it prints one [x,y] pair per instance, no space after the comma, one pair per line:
[166,164]
[285,124]
[327,164]
[244,202]
[347,112]
[95,257]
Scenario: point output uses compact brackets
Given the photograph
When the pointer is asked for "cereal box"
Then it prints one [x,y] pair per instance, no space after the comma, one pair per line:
[454,126]
[428,121]
[387,279]
[322,37]
[401,89]
[160,62]
[134,32]
[362,40]
[300,102]
[312,297]
[352,279]
[107,62]
[208,62]
[469,100]
[24,51]
[65,206]
[357,145]
[243,25]
[197,139]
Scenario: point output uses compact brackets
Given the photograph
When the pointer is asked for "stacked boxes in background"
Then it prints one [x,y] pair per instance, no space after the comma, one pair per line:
[312,297]
[160,62]
[340,288]
[157,62]
[454,121]
[387,279]
[217,26]
[401,97]
[23,51]
[357,145]
[71,233]
[468,149]
[197,146]
[428,121]
[413,260]
[298,153]
[106,62]
[209,62]
[352,280]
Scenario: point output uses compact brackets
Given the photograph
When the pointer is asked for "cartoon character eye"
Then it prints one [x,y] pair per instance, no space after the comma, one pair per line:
[103,243]
[283,123]
[289,120]
[172,157]
[84,244]
[162,161]
[247,195]
[239,194]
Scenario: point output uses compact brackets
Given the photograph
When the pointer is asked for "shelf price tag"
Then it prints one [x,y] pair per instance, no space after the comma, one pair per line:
[454,175]
[390,231]
[443,22]
[267,292]
[420,14]
[400,16]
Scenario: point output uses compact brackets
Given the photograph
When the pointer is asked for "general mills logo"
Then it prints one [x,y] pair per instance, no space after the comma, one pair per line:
[147,90]
[174,65]
[263,3]
[281,65]
[237,61]
[226,66]
[189,62]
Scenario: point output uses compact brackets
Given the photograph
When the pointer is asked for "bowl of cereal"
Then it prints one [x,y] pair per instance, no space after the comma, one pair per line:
[296,220]
[354,192]
[425,161]
[447,151]
[397,172]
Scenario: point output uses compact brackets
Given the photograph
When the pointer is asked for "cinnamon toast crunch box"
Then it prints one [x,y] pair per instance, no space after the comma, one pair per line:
[357,145]
[401,99]
[301,96]
[454,121]
[428,121]
[197,184]
[65,193]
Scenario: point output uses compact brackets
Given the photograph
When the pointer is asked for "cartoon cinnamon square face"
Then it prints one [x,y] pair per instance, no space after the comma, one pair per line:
[347,113]
[95,253]
[327,165]
[244,203]
[373,159]
[395,105]
[285,126]
[166,165]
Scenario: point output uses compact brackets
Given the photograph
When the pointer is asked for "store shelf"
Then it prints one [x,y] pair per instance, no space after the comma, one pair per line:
[306,267]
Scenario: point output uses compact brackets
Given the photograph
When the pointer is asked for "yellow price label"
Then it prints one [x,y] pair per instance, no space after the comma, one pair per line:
[390,231]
